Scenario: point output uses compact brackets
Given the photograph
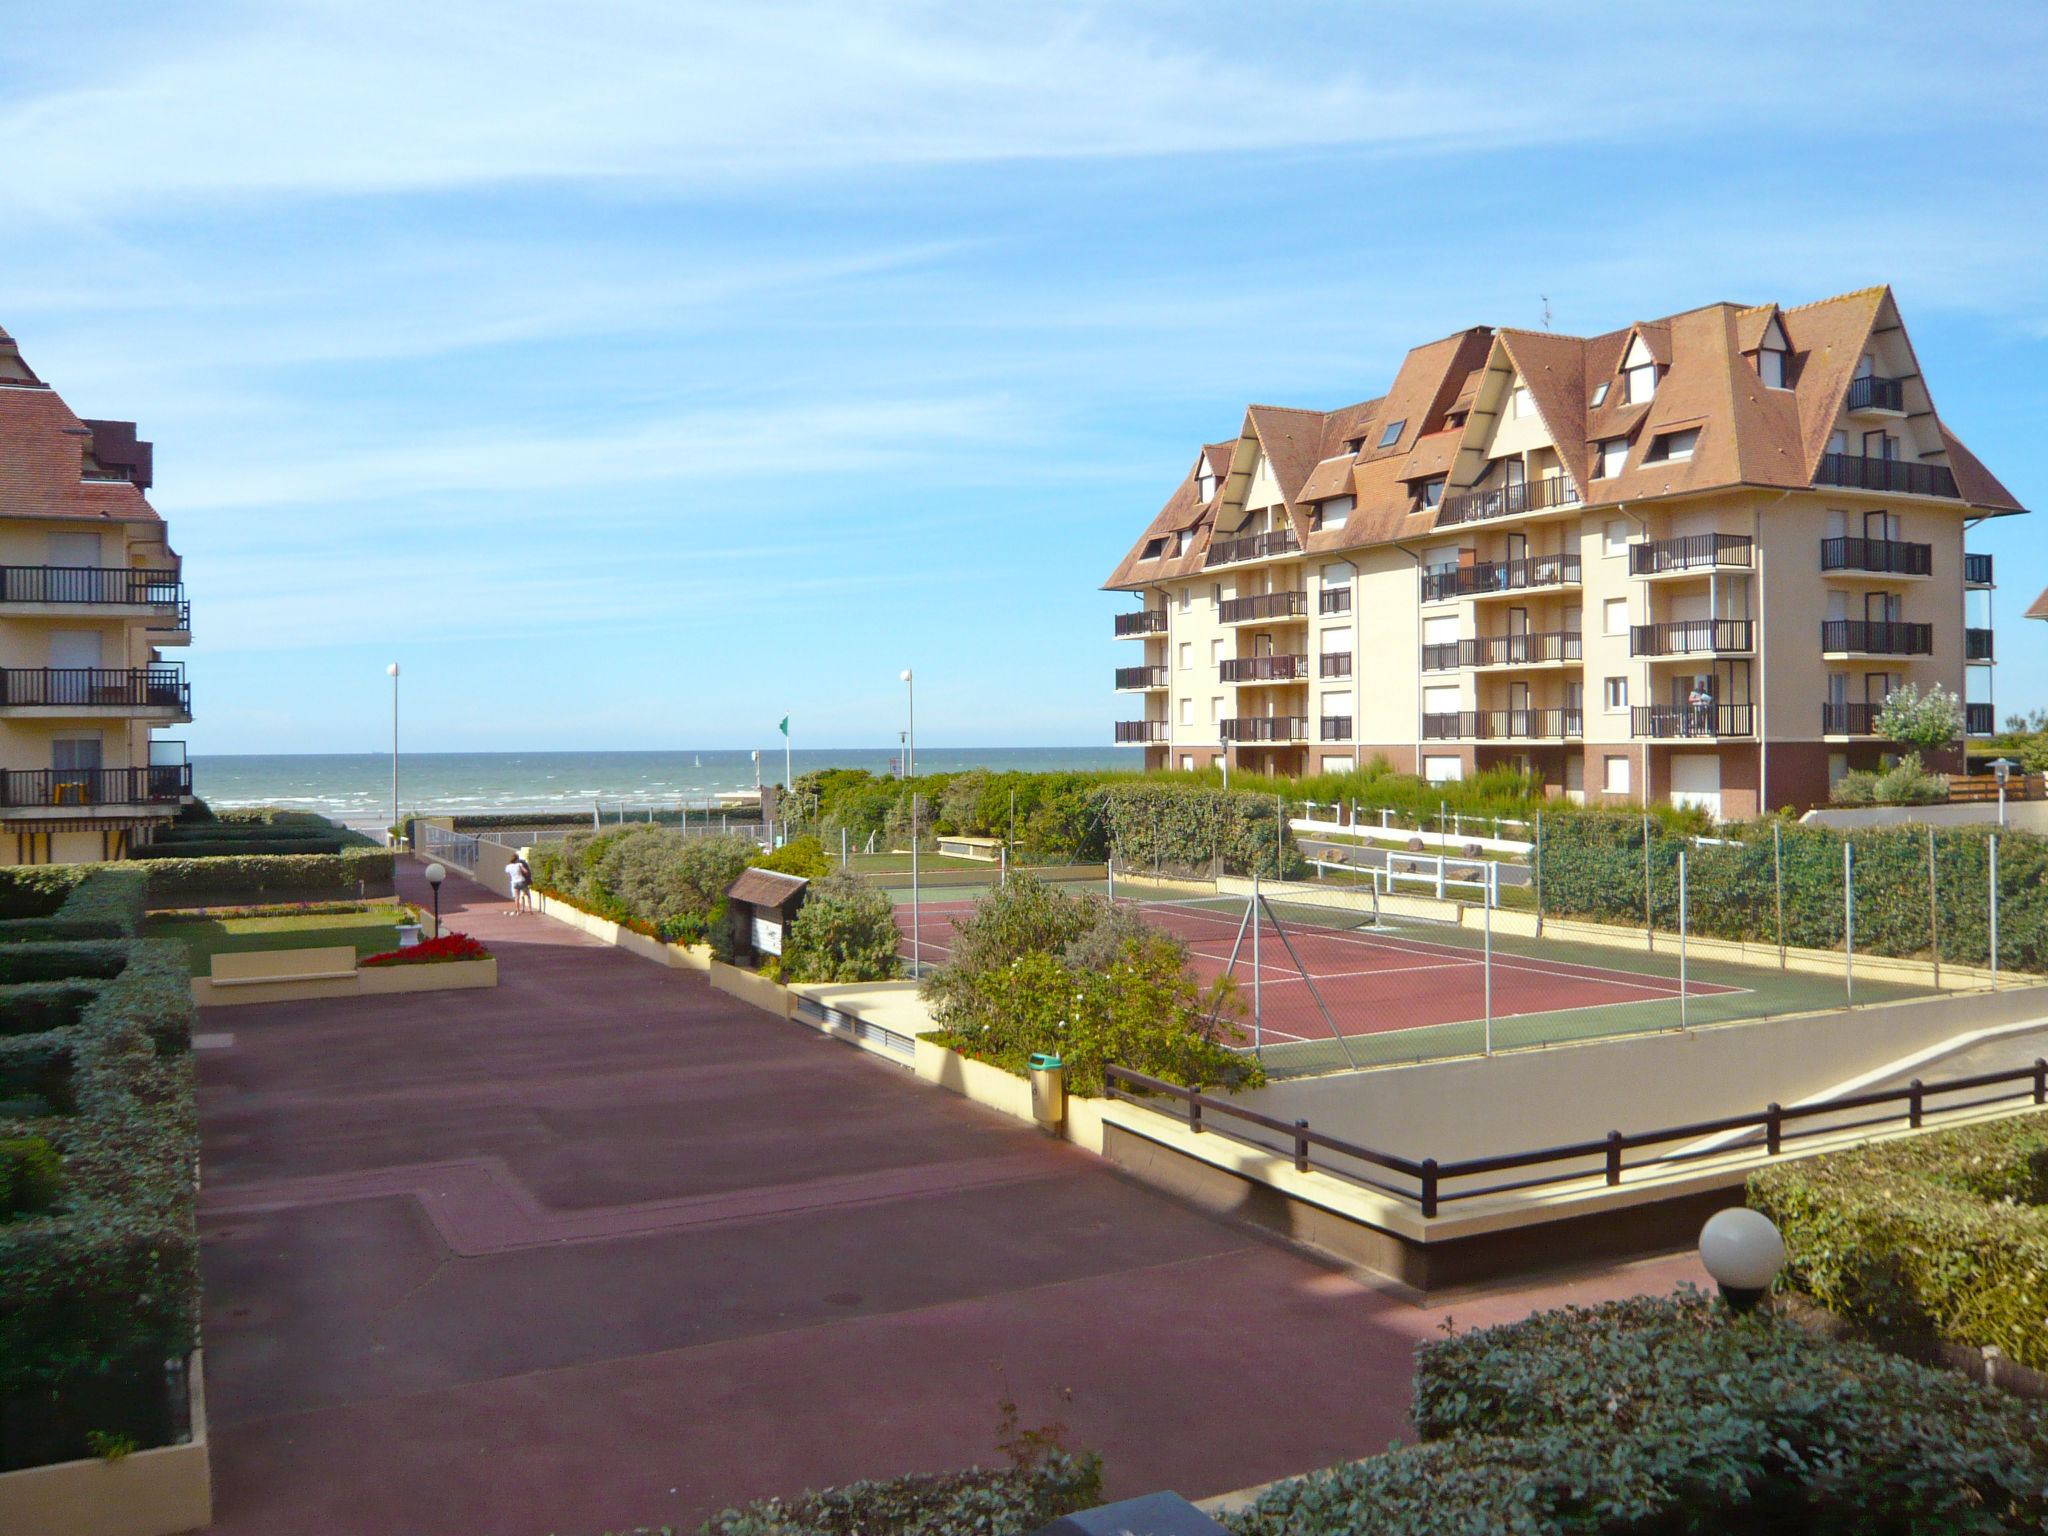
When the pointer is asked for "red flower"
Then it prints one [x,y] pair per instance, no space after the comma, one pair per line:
[450,946]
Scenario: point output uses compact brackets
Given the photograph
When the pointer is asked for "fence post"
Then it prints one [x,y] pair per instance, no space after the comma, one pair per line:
[1849,919]
[916,924]
[1933,909]
[1915,1103]
[1649,920]
[1682,915]
[1195,1111]
[1778,884]
[1258,1002]
[1301,1148]
[1614,1157]
[1774,1129]
[1994,909]
[2040,1081]
[1537,878]
[1429,1193]
[1489,981]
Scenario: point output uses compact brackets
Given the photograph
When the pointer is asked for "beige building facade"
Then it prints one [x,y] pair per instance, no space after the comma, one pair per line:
[1685,561]
[91,595]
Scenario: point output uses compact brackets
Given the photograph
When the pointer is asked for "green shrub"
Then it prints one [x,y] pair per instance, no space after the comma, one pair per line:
[61,962]
[800,856]
[1006,1502]
[1183,829]
[1856,787]
[31,1174]
[34,1008]
[844,931]
[37,890]
[1655,1416]
[1022,916]
[648,875]
[1907,782]
[253,879]
[1942,1234]
[107,902]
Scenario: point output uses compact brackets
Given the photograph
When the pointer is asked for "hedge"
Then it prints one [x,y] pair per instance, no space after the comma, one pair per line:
[1189,829]
[1591,865]
[99,1292]
[1660,1415]
[1940,1235]
[102,902]
[976,1502]
[254,878]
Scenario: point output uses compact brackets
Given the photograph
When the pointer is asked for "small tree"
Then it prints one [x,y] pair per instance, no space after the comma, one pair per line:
[1926,721]
[845,931]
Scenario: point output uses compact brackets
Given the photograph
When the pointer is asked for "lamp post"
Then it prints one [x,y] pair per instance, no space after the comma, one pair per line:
[1742,1250]
[393,670]
[2003,768]
[910,737]
[435,875]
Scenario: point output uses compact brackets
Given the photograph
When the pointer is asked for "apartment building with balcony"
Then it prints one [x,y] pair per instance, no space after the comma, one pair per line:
[90,596]
[1685,560]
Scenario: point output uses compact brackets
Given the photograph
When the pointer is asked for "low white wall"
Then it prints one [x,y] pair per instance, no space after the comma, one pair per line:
[2021,816]
[1480,1106]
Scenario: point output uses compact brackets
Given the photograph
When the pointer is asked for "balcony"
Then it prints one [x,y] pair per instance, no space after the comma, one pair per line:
[65,591]
[1860,637]
[1267,605]
[1870,393]
[1849,719]
[1265,669]
[1852,471]
[1526,650]
[1980,719]
[1255,546]
[1698,552]
[39,788]
[1661,722]
[1447,583]
[1128,678]
[1337,601]
[1977,645]
[1336,727]
[1146,621]
[1337,665]
[1505,725]
[1139,731]
[1977,571]
[61,692]
[1508,501]
[1266,728]
[1881,557]
[1693,637]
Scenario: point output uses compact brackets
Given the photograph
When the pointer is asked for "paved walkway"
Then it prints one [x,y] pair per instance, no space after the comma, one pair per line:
[605,1248]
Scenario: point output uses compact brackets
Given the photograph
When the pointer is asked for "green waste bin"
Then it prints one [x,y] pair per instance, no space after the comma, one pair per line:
[1048,1090]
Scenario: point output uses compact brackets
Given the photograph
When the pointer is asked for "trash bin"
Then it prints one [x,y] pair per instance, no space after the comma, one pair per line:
[1048,1090]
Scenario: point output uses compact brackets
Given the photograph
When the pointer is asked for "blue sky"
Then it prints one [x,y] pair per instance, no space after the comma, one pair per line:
[635,373]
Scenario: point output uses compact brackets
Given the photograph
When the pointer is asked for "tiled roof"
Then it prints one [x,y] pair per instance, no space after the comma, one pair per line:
[765,887]
[2040,608]
[42,454]
[1748,434]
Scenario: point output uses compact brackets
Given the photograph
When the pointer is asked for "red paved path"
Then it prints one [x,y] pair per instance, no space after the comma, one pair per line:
[605,1248]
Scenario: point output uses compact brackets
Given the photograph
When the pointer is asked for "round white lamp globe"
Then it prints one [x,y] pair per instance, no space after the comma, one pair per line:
[436,874]
[906,674]
[392,670]
[1743,1251]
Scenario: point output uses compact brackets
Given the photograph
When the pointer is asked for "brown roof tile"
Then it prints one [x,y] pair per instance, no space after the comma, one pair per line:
[765,887]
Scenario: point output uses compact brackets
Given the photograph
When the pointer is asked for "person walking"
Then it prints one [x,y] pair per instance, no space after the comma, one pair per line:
[520,876]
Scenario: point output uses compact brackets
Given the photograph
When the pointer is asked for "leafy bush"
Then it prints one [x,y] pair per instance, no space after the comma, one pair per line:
[1662,1415]
[1183,829]
[844,931]
[1856,787]
[107,901]
[1007,1502]
[31,1173]
[652,876]
[253,879]
[449,946]
[800,856]
[1942,1234]
[36,1007]
[1929,721]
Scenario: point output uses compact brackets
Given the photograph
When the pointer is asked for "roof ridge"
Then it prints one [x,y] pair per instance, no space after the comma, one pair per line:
[1853,293]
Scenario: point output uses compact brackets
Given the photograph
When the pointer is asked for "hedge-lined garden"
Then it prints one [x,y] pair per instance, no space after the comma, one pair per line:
[99,1279]
[1655,1416]
[1941,1235]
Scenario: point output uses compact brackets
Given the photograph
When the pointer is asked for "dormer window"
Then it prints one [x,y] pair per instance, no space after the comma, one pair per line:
[1639,372]
[1771,358]
[1608,458]
[1600,393]
[1393,433]
[1668,447]
[1429,493]
[1331,514]
[1181,541]
[1352,445]
[1154,548]
[1519,403]
[1205,487]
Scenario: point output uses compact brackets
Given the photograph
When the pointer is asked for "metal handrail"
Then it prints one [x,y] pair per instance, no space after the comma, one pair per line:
[1873,393]
[114,586]
[1685,637]
[1263,669]
[1146,621]
[1264,605]
[139,687]
[23,787]
[1877,637]
[1508,500]
[1141,677]
[1855,471]
[1662,721]
[1266,728]
[1253,546]
[1445,582]
[1893,557]
[1697,551]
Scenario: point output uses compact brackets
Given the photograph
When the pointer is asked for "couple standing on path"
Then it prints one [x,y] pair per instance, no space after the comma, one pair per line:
[520,876]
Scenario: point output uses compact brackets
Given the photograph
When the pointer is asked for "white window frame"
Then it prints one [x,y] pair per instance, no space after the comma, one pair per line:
[1610,546]
[1614,695]
[1614,774]
[1608,609]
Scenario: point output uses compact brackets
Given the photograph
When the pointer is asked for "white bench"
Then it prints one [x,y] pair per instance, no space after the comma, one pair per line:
[267,967]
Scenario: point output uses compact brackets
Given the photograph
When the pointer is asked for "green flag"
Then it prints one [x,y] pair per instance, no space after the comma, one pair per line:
[784,727]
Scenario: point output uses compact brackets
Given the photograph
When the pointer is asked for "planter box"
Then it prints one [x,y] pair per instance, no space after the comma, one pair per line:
[150,1493]
[768,996]
[682,957]
[376,981]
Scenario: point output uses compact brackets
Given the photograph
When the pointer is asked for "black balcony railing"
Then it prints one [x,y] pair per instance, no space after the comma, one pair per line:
[1446,582]
[21,788]
[90,584]
[1508,500]
[1447,654]
[1692,637]
[127,688]
[1980,719]
[1267,605]
[1977,645]
[1659,721]
[1146,621]
[1849,719]
[1264,669]
[1505,725]
[1266,728]
[1253,546]
[1141,677]
[1336,727]
[1696,552]
[1335,600]
[1886,557]
[1977,571]
[1855,472]
[1870,393]
[1140,731]
[1337,664]
[1526,650]
[1877,637]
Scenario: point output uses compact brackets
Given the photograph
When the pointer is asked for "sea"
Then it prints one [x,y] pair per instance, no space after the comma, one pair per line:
[355,788]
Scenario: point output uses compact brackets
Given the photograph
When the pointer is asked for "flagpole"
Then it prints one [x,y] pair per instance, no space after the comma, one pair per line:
[788,777]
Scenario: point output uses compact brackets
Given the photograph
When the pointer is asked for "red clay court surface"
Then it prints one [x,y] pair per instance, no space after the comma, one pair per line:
[1370,982]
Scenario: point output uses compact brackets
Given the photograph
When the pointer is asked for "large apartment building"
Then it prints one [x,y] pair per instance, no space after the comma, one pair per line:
[1686,560]
[89,591]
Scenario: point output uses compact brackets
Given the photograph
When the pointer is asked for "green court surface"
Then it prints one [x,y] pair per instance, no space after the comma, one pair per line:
[372,933]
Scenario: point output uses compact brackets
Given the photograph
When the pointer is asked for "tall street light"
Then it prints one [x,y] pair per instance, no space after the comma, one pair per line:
[910,751]
[393,670]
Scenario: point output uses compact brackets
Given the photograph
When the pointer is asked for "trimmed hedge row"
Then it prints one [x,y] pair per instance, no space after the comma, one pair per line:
[1663,1415]
[105,902]
[1190,829]
[976,1502]
[1939,1235]
[1592,866]
[250,879]
[97,1293]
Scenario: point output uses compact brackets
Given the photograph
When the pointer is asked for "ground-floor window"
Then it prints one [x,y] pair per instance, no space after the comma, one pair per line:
[1615,779]
[1443,770]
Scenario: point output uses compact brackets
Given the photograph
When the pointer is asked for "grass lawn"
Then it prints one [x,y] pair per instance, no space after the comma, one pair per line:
[372,933]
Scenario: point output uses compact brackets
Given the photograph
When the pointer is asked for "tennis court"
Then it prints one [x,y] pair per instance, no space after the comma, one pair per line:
[1326,988]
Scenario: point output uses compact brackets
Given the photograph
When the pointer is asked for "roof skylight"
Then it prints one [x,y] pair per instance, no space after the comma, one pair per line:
[1393,433]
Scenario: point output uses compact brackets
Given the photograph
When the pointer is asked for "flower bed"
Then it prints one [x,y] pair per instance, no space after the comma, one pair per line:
[450,946]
